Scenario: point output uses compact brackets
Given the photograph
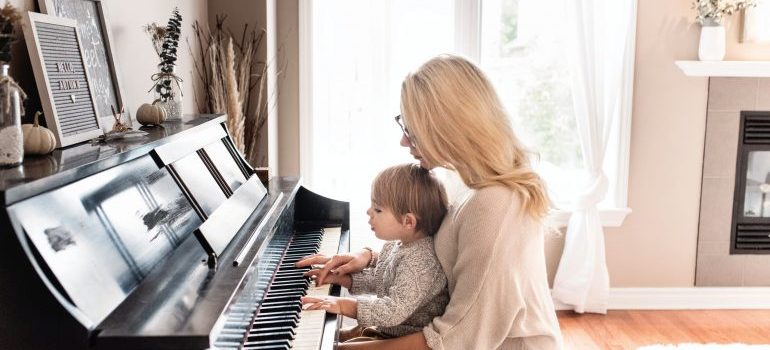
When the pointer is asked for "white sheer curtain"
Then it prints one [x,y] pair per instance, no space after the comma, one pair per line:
[362,50]
[602,55]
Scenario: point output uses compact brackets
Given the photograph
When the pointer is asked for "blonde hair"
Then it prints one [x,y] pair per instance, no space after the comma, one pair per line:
[408,188]
[457,121]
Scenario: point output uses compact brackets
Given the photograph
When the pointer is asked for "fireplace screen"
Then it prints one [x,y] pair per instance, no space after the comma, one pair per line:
[757,200]
[751,206]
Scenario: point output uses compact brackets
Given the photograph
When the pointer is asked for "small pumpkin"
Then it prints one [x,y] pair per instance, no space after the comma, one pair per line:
[150,114]
[37,139]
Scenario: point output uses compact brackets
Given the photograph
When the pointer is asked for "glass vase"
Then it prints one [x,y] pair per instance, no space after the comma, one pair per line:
[11,142]
[168,94]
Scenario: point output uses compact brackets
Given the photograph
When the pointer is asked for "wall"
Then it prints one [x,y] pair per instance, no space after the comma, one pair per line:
[135,57]
[656,245]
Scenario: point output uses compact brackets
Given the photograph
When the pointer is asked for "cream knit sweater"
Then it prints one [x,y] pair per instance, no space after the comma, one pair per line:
[494,260]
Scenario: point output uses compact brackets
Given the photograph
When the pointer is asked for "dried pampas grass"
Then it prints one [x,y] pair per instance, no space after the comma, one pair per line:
[234,100]
[234,78]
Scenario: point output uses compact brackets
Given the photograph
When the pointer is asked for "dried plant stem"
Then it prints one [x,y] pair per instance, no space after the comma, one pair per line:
[234,112]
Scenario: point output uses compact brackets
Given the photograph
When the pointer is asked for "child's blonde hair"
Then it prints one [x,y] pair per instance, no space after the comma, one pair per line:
[457,121]
[408,188]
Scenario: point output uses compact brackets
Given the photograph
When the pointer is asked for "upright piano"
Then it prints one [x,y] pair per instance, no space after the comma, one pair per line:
[166,241]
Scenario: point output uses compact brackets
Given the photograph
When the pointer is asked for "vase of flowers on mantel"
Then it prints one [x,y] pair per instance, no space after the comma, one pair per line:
[711,16]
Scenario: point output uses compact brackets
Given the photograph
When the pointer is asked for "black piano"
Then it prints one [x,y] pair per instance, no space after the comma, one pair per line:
[167,241]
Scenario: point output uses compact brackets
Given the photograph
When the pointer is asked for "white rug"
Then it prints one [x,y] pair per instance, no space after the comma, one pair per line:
[712,346]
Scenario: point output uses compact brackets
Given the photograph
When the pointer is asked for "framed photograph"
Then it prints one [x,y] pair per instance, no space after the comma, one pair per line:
[97,47]
[62,80]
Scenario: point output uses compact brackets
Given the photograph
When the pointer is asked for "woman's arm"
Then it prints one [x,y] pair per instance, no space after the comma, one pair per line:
[414,341]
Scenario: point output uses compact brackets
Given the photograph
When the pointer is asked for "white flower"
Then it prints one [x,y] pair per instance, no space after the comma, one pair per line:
[715,10]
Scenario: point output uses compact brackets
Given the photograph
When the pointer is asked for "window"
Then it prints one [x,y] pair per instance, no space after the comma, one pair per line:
[361,51]
[521,50]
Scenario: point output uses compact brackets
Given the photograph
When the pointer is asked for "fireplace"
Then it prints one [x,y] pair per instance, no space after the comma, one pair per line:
[733,223]
[751,208]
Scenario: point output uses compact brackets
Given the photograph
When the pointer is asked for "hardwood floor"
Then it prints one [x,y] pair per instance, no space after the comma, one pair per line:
[631,329]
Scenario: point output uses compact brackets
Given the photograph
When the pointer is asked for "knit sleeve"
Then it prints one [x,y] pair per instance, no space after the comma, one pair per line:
[418,277]
[363,282]
[487,297]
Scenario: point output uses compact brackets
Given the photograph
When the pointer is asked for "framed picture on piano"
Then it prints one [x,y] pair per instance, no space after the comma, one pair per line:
[96,42]
[62,79]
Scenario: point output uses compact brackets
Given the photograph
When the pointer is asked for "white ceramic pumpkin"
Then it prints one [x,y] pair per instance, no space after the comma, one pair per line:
[37,139]
[150,114]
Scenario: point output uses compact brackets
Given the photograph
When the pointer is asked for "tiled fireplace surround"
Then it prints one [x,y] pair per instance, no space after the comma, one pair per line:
[727,97]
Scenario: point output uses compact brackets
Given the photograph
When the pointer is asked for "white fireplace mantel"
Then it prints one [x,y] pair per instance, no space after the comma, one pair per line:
[749,69]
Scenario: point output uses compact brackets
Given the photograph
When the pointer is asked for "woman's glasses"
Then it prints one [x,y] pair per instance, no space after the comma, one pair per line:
[406,132]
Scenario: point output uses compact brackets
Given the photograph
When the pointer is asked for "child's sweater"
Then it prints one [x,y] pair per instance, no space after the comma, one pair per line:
[410,286]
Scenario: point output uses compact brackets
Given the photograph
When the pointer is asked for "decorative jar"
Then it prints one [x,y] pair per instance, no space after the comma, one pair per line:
[11,142]
[168,93]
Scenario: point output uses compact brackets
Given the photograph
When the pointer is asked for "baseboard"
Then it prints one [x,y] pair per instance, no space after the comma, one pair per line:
[693,298]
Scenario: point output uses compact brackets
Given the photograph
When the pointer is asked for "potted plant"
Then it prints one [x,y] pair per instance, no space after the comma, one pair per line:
[711,16]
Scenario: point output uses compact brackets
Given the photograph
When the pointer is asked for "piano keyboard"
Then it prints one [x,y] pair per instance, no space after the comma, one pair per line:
[279,321]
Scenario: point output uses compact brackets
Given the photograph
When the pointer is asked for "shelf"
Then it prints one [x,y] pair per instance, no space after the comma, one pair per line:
[750,69]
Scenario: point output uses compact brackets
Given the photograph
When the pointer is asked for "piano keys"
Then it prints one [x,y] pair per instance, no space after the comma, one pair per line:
[165,243]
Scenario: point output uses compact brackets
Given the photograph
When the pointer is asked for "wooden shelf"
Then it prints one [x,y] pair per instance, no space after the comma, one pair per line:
[752,69]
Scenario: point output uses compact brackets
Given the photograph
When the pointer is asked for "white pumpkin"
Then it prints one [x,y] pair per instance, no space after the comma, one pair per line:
[37,139]
[150,114]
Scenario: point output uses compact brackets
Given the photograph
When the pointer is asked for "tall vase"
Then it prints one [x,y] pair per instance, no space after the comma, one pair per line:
[168,94]
[11,142]
[712,41]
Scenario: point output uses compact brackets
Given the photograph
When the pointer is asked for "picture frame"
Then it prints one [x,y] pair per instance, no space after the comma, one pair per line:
[98,49]
[66,93]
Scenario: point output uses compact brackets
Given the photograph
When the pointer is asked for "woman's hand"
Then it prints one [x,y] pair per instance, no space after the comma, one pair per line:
[339,264]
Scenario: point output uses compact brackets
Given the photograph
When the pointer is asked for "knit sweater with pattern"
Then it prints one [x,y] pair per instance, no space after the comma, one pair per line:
[409,287]
[494,259]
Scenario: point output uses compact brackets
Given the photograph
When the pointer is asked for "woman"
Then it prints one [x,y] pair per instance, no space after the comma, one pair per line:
[491,244]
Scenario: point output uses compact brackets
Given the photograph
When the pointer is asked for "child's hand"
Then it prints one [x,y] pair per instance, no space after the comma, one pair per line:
[342,306]
[325,303]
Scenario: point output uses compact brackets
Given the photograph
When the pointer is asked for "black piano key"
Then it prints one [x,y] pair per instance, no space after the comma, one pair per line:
[280,303]
[267,347]
[291,314]
[282,308]
[290,273]
[287,292]
[277,318]
[283,329]
[295,285]
[275,323]
[294,298]
[292,279]
[269,336]
[268,344]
